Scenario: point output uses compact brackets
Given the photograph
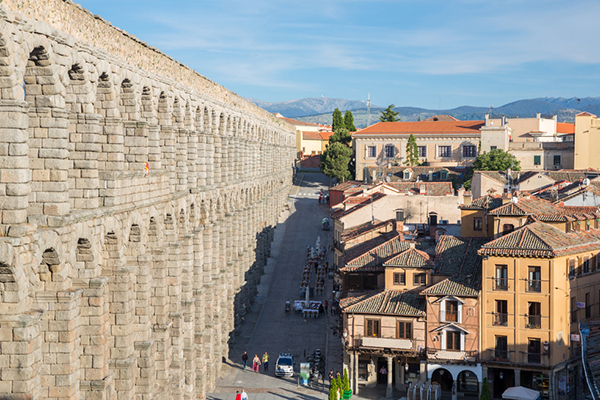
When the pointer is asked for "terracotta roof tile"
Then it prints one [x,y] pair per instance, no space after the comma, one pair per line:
[565,128]
[311,135]
[343,213]
[387,302]
[372,254]
[422,128]
[458,258]
[487,202]
[539,239]
[358,230]
[441,118]
[412,258]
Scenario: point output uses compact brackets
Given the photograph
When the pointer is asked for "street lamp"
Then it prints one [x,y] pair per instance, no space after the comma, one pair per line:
[501,376]
[406,367]
[546,347]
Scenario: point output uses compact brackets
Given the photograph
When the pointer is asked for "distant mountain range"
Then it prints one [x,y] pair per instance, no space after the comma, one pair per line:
[319,110]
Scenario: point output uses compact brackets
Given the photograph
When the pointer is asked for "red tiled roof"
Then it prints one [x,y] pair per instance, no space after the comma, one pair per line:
[422,128]
[412,258]
[372,254]
[346,185]
[325,135]
[358,230]
[431,188]
[565,128]
[388,302]
[342,213]
[585,114]
[458,258]
[487,202]
[539,239]
[311,135]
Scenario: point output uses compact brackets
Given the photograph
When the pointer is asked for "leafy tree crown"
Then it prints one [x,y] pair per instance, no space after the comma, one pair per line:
[496,160]
[349,121]
[389,115]
[337,120]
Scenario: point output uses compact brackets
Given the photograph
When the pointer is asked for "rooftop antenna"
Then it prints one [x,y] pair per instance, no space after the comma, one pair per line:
[369,109]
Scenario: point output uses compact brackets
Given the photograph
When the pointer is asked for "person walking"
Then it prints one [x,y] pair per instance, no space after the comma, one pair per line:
[265,361]
[238,395]
[326,305]
[255,363]
[330,376]
[244,395]
[244,359]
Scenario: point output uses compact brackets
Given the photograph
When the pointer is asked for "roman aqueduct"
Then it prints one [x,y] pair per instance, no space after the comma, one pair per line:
[137,206]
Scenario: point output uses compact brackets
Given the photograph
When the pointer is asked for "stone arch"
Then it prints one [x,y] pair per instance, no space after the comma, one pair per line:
[135,233]
[222,127]
[206,121]
[13,280]
[192,217]
[49,266]
[177,115]
[105,102]
[9,90]
[164,110]
[148,106]
[188,121]
[128,103]
[169,222]
[199,118]
[42,84]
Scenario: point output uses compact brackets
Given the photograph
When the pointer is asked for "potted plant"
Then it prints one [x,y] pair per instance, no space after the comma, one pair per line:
[346,391]
[333,390]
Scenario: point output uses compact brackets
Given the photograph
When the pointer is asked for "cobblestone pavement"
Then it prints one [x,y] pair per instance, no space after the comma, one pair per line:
[267,327]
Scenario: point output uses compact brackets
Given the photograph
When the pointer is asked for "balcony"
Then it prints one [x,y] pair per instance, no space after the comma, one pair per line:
[534,285]
[451,316]
[500,319]
[534,358]
[533,322]
[401,344]
[499,356]
[452,355]
[500,283]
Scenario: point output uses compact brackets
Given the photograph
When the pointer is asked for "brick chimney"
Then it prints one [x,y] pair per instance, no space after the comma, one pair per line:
[467,198]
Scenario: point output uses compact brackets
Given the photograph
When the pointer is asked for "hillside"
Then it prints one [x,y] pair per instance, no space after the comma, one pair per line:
[319,110]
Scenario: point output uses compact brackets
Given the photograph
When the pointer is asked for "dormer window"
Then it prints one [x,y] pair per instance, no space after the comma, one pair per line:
[451,310]
[443,175]
[407,175]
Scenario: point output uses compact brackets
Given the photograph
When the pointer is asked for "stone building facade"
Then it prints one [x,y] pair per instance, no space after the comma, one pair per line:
[137,206]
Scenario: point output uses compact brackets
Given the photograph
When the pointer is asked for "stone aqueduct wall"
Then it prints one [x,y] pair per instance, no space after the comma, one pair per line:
[137,203]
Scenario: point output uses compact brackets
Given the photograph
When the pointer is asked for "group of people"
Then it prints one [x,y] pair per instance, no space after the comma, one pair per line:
[256,361]
[241,395]
[323,198]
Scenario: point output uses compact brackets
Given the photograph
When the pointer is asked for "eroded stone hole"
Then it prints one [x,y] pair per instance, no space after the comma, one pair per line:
[146,91]
[169,221]
[39,57]
[181,217]
[111,238]
[135,234]
[6,273]
[192,209]
[76,73]
[50,265]
[127,86]
[84,250]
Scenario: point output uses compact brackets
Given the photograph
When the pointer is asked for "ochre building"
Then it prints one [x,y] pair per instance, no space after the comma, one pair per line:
[137,206]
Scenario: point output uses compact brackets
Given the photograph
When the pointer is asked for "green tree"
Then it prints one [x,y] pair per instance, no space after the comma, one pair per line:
[333,390]
[485,390]
[339,382]
[349,121]
[389,115]
[412,152]
[342,136]
[334,161]
[345,381]
[337,120]
[496,160]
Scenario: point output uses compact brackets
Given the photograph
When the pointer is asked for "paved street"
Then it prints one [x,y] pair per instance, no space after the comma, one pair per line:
[267,327]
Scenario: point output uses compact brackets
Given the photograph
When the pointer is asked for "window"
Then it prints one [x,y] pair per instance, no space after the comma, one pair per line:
[477,224]
[588,306]
[407,175]
[400,278]
[501,277]
[469,151]
[507,228]
[444,151]
[372,328]
[534,283]
[501,316]
[371,151]
[404,330]
[420,279]
[534,317]
[556,160]
[390,151]
[493,148]
[453,340]
[451,311]
[586,265]
[573,309]
[501,348]
[534,355]
[422,151]
[537,160]
[571,268]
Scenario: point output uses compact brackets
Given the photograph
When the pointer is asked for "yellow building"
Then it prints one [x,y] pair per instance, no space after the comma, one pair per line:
[587,141]
[539,282]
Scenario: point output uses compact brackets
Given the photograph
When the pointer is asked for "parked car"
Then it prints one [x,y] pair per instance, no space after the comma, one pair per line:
[285,365]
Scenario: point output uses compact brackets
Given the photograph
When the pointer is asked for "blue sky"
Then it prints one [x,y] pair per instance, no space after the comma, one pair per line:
[422,53]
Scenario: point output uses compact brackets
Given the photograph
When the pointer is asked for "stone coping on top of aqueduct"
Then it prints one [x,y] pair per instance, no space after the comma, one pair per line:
[71,18]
